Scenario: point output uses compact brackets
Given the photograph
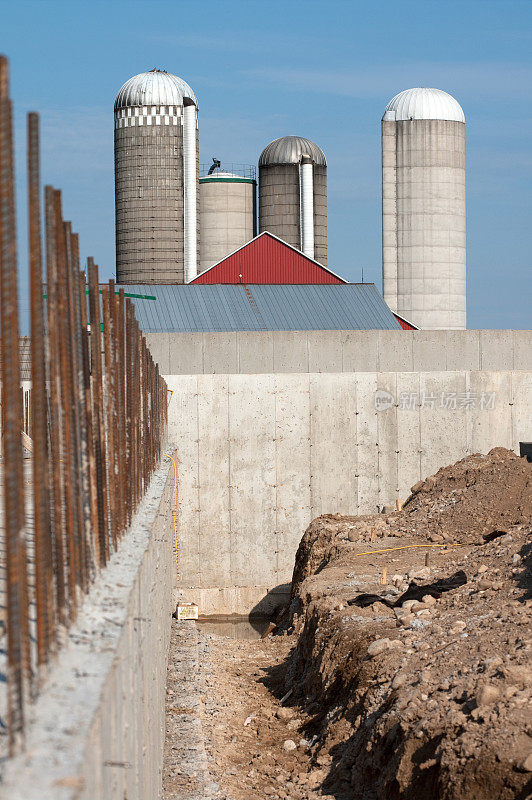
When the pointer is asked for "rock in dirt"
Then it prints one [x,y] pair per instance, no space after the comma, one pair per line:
[487,694]
[378,646]
[526,764]
[284,713]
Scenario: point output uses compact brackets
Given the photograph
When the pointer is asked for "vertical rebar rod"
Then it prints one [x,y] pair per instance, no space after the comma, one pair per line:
[108,336]
[72,367]
[78,286]
[67,454]
[145,444]
[129,409]
[44,581]
[55,436]
[93,489]
[140,396]
[121,365]
[97,415]
[115,405]
[16,576]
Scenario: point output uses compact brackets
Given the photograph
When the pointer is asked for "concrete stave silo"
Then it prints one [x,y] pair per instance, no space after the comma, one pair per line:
[423,208]
[227,212]
[156,180]
[293,194]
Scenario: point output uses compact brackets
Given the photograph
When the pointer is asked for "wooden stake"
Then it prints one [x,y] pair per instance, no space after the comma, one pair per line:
[373,534]
[384,576]
[399,504]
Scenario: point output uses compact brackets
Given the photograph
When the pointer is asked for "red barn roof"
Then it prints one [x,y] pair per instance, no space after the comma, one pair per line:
[404,323]
[267,259]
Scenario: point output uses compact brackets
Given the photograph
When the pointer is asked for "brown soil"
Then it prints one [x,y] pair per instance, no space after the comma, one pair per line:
[246,727]
[433,701]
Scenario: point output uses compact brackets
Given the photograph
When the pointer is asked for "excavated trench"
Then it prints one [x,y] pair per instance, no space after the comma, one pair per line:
[228,734]
[430,700]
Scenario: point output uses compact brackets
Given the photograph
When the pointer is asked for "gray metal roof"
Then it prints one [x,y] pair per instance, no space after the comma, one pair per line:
[268,307]
[289,149]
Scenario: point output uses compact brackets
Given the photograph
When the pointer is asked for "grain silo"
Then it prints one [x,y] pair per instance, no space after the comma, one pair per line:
[423,208]
[227,211]
[156,180]
[293,194]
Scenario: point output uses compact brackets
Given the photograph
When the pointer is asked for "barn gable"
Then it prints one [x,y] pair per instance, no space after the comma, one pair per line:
[267,259]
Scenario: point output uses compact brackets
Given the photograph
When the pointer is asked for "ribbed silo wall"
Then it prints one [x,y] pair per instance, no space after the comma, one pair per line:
[227,211]
[320,214]
[423,221]
[279,205]
[279,202]
[149,199]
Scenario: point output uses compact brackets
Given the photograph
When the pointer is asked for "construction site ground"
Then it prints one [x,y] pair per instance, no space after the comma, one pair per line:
[430,700]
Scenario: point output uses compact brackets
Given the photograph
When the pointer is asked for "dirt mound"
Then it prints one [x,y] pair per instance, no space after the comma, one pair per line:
[432,699]
[474,497]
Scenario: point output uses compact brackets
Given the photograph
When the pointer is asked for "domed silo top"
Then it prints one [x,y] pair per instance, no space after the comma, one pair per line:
[154,88]
[289,150]
[423,103]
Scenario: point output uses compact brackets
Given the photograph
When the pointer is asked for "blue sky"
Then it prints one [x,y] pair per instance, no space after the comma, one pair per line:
[266,69]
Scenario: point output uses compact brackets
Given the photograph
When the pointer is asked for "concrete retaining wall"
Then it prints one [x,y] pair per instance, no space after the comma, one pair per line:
[260,456]
[96,731]
[340,351]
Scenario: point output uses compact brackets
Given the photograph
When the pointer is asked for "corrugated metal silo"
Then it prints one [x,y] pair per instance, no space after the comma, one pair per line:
[156,180]
[227,212]
[293,194]
[423,208]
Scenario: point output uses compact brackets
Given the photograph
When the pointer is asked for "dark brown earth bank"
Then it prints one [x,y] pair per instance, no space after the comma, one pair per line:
[431,699]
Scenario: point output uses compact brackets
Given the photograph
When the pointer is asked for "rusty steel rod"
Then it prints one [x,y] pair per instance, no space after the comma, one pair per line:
[91,456]
[73,371]
[97,409]
[129,410]
[108,396]
[122,446]
[114,416]
[67,453]
[78,300]
[55,471]
[18,664]
[44,580]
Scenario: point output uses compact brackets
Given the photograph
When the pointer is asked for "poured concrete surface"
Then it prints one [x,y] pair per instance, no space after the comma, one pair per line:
[340,351]
[260,456]
[185,769]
